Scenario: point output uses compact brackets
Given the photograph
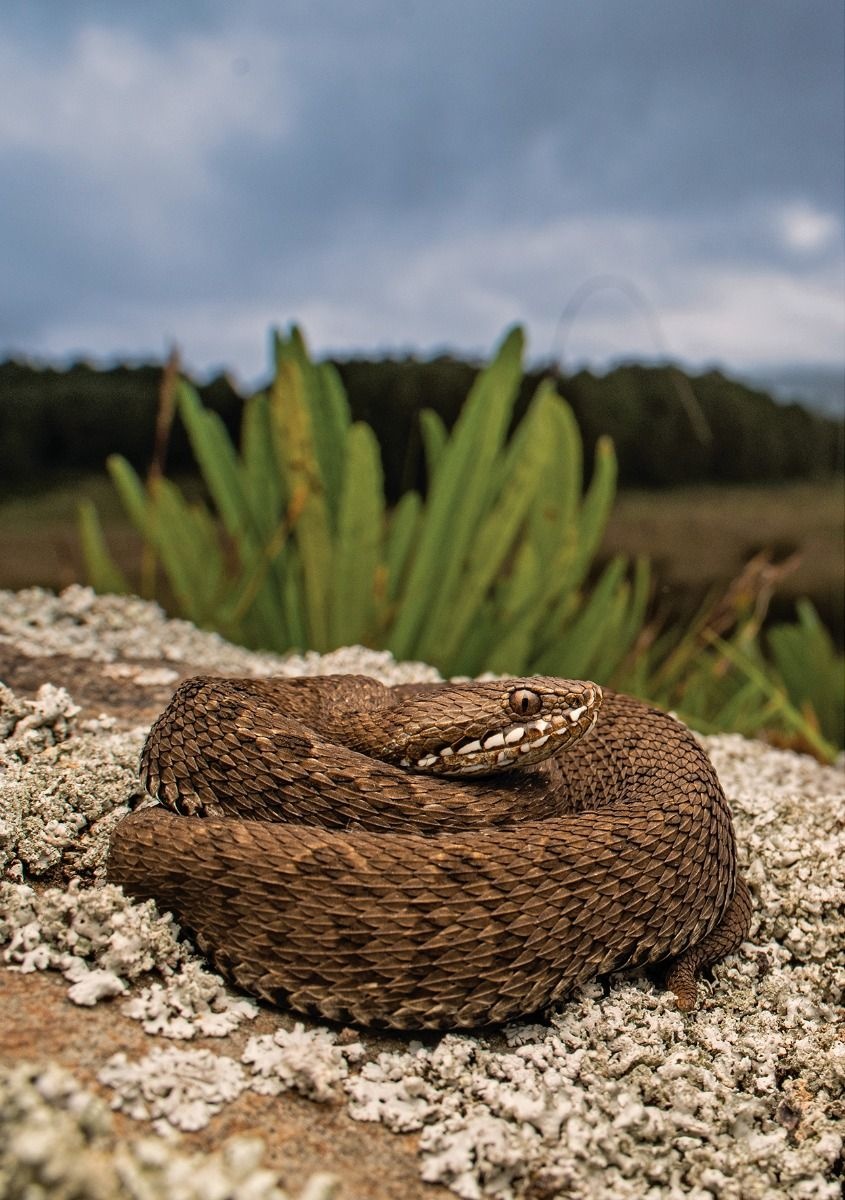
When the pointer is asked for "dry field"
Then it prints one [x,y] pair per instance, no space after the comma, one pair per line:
[697,538]
[700,537]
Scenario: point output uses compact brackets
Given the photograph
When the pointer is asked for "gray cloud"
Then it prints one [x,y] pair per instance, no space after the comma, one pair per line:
[420,175]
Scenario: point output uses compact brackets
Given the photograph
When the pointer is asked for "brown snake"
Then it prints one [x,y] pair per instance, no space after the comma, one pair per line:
[432,856]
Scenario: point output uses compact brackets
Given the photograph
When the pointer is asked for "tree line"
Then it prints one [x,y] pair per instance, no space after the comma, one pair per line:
[669,427]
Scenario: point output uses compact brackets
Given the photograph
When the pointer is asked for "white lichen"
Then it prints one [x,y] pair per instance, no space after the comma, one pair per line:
[57,1143]
[616,1096]
[184,1089]
[621,1096]
[170,1087]
[80,624]
[102,942]
[192,1002]
[28,726]
[309,1061]
[85,928]
[62,783]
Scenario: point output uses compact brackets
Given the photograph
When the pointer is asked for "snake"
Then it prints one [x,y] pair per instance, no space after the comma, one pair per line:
[437,856]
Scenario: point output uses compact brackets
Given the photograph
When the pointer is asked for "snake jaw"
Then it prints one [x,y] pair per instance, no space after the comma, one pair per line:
[514,745]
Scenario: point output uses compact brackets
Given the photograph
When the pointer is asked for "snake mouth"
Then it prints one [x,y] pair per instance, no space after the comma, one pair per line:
[519,744]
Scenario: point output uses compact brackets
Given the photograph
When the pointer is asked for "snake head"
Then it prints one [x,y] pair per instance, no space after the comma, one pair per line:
[475,729]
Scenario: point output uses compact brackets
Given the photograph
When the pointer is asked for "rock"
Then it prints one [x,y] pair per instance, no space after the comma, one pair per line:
[617,1096]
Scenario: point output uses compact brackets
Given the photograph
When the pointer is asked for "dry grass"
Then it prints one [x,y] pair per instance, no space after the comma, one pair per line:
[700,537]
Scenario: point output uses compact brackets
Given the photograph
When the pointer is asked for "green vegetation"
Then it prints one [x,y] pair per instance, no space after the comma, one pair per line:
[811,673]
[486,573]
[787,685]
[489,571]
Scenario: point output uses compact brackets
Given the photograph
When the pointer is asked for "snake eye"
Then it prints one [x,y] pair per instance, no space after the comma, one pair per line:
[525,702]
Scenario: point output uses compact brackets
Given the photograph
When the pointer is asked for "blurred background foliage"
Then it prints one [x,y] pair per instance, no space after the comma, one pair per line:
[471,541]
[766,475]
[668,427]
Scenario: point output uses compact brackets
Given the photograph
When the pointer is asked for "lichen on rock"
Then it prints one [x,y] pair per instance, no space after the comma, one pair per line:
[616,1096]
[59,779]
[309,1061]
[184,1089]
[170,1087]
[620,1095]
[101,941]
[57,1142]
[191,1002]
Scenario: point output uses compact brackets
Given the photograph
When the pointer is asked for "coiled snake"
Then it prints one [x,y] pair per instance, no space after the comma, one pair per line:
[432,856]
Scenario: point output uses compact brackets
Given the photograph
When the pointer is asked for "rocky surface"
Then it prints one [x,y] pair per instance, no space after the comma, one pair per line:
[616,1095]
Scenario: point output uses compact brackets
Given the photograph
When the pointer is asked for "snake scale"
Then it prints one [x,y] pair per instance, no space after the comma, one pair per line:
[432,856]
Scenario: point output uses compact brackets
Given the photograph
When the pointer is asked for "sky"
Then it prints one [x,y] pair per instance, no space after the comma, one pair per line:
[627,180]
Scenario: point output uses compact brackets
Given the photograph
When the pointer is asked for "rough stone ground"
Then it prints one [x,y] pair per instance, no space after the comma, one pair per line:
[617,1095]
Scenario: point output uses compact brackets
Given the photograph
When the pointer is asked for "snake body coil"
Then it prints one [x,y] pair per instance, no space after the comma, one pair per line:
[432,856]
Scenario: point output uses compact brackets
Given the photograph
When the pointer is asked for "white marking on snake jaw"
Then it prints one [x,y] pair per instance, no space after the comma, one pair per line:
[506,756]
[469,748]
[505,747]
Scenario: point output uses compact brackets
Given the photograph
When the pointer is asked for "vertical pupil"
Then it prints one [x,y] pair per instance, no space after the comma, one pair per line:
[524,701]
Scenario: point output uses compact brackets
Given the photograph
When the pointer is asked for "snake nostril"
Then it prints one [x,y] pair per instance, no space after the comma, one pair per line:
[525,702]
